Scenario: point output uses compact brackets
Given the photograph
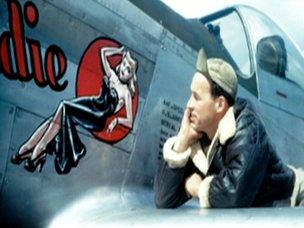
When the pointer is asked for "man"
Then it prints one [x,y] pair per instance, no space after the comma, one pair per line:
[222,153]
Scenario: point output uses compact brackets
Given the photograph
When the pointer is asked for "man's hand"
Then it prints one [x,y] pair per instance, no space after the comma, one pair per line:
[186,135]
[192,184]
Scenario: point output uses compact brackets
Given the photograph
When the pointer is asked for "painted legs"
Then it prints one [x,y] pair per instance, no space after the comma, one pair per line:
[34,149]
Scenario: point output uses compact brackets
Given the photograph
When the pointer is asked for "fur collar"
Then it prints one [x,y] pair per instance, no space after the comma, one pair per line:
[227,126]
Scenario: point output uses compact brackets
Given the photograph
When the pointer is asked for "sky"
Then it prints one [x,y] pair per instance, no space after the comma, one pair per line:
[287,14]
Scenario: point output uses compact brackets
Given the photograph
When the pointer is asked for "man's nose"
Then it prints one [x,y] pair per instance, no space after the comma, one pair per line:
[190,102]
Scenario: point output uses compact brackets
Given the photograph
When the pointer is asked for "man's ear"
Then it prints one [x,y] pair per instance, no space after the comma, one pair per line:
[221,104]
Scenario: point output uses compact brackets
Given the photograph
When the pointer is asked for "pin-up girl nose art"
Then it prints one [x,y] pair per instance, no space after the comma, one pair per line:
[106,105]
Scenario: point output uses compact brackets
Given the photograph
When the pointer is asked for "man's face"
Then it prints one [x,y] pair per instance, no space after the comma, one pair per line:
[201,104]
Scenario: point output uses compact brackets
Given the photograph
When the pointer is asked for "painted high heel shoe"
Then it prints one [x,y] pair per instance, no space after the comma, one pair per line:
[31,165]
[18,158]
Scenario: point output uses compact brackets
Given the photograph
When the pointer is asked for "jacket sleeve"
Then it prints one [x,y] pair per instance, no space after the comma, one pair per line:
[245,164]
[169,184]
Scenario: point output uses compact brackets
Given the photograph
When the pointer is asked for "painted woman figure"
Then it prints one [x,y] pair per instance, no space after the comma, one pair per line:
[58,133]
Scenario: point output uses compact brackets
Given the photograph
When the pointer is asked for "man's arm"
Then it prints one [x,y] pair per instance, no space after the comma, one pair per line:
[169,185]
